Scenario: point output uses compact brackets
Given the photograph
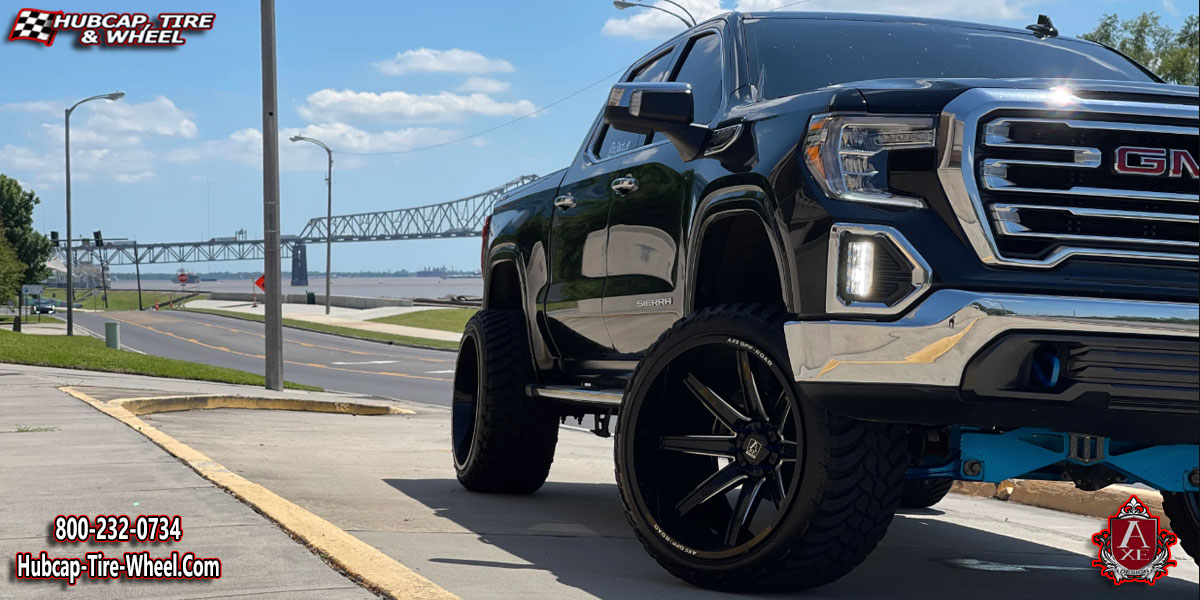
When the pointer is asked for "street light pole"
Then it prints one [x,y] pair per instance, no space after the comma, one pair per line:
[70,251]
[623,5]
[328,214]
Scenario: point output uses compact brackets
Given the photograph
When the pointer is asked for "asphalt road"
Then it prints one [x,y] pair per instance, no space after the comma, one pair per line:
[332,362]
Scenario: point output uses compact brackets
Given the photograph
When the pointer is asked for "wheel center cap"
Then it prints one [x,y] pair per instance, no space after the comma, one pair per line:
[754,449]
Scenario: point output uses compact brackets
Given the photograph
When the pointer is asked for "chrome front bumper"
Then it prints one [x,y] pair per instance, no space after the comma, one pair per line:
[933,343]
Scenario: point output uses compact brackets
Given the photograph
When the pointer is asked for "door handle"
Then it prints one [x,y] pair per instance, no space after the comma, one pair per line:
[624,185]
[565,202]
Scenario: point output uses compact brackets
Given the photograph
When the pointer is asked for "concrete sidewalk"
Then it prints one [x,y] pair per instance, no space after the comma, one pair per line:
[339,317]
[63,457]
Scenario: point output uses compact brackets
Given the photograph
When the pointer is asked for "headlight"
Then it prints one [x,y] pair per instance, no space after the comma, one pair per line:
[848,154]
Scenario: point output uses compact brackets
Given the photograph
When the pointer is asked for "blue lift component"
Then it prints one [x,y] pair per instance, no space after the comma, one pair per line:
[1020,453]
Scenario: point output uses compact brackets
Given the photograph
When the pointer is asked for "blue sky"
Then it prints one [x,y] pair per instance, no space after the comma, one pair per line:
[179,158]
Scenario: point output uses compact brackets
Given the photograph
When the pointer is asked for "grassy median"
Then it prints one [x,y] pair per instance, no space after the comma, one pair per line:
[128,299]
[442,319]
[342,331]
[90,354]
[30,319]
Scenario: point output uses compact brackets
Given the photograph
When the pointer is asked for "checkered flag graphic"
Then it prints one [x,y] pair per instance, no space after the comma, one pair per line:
[36,25]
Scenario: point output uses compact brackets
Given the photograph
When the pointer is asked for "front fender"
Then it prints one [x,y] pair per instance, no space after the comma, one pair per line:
[735,200]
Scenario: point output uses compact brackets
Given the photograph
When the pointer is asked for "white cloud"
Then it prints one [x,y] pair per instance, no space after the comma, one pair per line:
[159,116]
[20,158]
[646,24]
[337,106]
[484,84]
[108,139]
[135,177]
[245,146]
[46,106]
[453,60]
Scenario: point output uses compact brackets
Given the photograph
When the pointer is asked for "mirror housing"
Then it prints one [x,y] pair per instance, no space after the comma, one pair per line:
[657,107]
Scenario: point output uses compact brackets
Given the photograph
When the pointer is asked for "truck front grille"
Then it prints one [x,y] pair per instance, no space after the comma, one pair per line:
[1045,178]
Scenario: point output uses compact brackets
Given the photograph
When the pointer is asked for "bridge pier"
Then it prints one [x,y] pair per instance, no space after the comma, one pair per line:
[299,265]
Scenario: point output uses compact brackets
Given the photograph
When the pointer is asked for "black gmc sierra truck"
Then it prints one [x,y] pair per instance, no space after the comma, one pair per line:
[819,266]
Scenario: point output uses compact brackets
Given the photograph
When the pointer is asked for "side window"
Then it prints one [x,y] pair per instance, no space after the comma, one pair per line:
[613,141]
[702,68]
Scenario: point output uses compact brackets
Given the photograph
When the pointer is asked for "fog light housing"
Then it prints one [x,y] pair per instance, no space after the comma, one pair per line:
[873,269]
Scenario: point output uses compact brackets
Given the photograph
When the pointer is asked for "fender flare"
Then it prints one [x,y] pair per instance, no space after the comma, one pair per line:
[739,200]
[507,253]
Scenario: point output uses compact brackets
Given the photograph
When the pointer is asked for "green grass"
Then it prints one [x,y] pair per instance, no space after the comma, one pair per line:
[88,353]
[30,319]
[28,429]
[128,300]
[442,319]
[93,299]
[342,331]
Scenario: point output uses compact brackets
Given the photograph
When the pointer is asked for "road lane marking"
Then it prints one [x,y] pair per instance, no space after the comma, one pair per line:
[179,337]
[436,372]
[308,345]
[388,373]
[376,362]
[290,362]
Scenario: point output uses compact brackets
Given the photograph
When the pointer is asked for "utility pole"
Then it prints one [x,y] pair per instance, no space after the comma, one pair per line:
[70,250]
[104,282]
[137,266]
[272,307]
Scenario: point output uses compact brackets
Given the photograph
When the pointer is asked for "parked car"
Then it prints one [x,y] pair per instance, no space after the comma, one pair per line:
[819,266]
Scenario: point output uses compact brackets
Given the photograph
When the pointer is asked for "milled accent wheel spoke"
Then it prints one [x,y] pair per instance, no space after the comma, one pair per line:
[778,491]
[722,410]
[783,408]
[747,502]
[750,387]
[716,483]
[788,450]
[704,445]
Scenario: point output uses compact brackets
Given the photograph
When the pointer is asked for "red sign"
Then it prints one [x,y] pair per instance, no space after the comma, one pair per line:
[182,278]
[1133,548]
[260,282]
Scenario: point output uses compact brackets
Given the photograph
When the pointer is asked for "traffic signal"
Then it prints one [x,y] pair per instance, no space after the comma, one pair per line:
[99,238]
[54,238]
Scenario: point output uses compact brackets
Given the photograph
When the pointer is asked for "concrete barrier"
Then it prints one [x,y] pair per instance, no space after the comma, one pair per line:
[1064,496]
[359,302]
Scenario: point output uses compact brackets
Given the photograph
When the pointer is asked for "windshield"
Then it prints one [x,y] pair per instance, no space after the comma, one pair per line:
[798,55]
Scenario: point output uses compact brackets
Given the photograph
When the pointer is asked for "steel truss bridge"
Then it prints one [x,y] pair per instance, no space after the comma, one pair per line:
[457,218]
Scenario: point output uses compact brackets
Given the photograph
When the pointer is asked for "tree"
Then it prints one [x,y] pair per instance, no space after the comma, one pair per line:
[1171,54]
[32,249]
[11,271]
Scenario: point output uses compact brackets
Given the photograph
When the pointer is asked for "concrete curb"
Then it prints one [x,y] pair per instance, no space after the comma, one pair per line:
[361,562]
[157,404]
[1064,496]
[349,337]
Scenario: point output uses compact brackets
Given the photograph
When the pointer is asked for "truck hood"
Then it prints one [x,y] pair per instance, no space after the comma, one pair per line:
[931,95]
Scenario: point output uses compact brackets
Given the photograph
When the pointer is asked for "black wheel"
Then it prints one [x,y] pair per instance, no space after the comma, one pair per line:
[1183,509]
[923,493]
[731,479]
[503,439]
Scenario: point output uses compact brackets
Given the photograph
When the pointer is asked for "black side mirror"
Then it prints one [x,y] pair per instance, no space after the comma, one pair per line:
[664,107]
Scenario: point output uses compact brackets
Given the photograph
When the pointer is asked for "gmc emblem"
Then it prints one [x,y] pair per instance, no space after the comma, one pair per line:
[1135,160]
